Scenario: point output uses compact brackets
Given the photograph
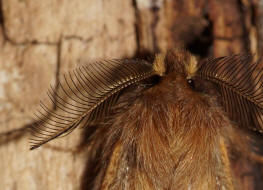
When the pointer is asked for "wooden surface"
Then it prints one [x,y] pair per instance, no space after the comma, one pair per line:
[40,40]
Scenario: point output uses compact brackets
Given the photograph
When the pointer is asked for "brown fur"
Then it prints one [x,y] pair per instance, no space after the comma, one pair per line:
[170,137]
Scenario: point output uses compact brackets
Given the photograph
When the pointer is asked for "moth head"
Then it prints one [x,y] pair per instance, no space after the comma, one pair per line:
[179,60]
[177,65]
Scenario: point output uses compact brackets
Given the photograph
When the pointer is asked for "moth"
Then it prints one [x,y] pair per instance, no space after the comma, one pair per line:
[167,124]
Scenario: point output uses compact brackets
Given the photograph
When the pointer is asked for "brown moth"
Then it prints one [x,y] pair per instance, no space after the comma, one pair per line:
[164,125]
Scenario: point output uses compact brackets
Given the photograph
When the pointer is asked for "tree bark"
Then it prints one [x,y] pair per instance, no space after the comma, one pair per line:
[41,40]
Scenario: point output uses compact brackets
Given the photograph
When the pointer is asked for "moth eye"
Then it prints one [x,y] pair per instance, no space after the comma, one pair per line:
[191,83]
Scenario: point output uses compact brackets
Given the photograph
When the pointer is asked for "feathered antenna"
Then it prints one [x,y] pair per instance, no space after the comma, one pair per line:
[85,97]
[240,82]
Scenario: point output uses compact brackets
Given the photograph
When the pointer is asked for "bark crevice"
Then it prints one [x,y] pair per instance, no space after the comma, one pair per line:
[201,45]
[136,25]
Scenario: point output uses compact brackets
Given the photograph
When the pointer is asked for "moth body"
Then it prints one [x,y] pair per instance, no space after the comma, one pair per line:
[169,124]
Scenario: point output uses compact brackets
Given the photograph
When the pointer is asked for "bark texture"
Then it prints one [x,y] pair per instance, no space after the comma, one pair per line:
[40,40]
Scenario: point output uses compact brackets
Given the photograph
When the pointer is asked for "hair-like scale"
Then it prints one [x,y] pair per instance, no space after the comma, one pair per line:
[166,125]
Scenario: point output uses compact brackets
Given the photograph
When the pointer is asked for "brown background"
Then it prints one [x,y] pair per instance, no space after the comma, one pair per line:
[41,39]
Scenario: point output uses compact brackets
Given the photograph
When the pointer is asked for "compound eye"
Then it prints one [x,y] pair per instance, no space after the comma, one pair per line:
[191,83]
